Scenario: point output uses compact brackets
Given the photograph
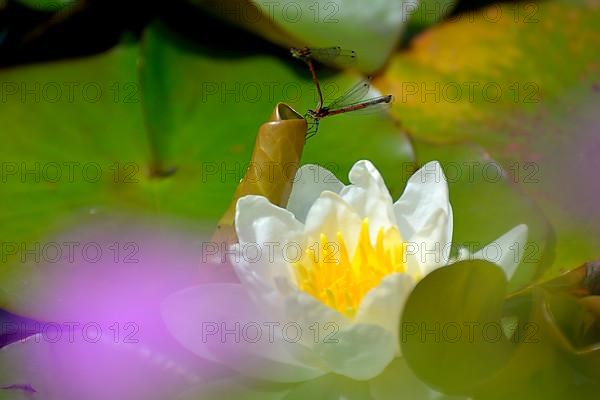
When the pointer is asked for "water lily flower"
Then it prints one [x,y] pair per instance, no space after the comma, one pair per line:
[337,264]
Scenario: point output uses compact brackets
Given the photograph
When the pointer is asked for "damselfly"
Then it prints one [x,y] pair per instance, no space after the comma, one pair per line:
[352,100]
[327,55]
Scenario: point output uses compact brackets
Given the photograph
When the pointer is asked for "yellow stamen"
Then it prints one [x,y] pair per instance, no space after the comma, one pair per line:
[340,281]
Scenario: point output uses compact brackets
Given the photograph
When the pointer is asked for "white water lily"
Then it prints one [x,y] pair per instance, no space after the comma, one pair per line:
[338,263]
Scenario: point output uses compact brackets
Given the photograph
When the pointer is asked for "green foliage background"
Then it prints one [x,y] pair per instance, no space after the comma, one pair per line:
[160,106]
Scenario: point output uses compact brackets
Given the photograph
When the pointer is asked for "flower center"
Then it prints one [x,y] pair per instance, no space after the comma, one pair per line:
[327,272]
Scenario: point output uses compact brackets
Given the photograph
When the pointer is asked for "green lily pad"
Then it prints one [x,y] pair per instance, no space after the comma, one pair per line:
[94,151]
[521,80]
[399,381]
[451,332]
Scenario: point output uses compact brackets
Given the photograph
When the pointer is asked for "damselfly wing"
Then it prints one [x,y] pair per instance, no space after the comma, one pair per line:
[352,101]
[352,95]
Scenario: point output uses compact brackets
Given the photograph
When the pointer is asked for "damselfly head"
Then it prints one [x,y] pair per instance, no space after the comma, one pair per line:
[302,53]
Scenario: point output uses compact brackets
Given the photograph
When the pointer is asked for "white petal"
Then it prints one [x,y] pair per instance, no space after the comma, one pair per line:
[383,304]
[369,197]
[304,309]
[310,181]
[364,174]
[198,317]
[426,192]
[263,231]
[361,352]
[259,278]
[329,215]
[259,221]
[313,322]
[507,250]
[429,248]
